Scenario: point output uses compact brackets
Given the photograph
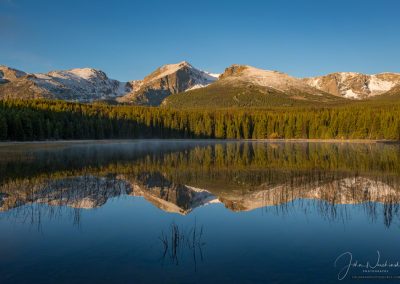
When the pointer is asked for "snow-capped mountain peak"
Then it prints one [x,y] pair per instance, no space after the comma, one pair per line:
[355,85]
[167,80]
[266,78]
[80,84]
[200,76]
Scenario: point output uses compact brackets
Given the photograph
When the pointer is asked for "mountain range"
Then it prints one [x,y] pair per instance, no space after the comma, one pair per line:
[182,85]
[88,192]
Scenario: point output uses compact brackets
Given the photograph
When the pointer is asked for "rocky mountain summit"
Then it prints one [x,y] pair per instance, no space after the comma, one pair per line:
[8,74]
[266,78]
[166,80]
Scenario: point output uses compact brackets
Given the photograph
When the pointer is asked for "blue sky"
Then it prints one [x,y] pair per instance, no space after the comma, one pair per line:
[129,39]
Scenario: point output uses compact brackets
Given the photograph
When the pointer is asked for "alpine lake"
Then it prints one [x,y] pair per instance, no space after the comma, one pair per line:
[199,211]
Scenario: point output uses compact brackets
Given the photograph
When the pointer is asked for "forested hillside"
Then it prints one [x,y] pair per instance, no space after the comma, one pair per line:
[23,120]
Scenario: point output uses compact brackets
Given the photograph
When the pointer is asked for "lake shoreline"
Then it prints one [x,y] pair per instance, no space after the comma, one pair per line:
[105,141]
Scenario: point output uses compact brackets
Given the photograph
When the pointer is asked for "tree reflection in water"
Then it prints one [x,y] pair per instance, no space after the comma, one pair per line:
[181,176]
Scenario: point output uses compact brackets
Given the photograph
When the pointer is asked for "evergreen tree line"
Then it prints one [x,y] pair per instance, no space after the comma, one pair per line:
[25,120]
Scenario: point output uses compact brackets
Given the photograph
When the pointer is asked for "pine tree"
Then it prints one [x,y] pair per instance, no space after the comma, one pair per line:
[3,128]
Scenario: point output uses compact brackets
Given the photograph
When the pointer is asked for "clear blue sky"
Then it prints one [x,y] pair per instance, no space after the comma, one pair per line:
[129,39]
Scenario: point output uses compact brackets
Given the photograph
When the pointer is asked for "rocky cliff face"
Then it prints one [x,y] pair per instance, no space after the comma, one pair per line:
[167,80]
[355,85]
[24,88]
[8,74]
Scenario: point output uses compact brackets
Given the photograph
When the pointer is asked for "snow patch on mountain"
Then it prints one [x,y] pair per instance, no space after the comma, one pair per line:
[377,85]
[349,94]
[202,197]
[314,82]
[86,73]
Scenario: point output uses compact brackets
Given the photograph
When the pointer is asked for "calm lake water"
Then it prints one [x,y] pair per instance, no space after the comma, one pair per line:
[199,212]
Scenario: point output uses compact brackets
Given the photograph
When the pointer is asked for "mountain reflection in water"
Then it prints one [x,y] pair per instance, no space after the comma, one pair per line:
[180,176]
